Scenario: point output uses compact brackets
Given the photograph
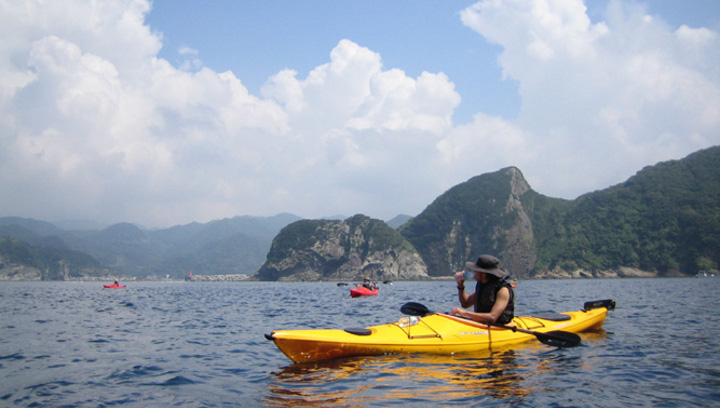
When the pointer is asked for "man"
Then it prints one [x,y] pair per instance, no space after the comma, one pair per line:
[366,284]
[494,299]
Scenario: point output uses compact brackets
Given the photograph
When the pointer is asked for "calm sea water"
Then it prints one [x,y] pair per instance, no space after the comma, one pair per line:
[202,345]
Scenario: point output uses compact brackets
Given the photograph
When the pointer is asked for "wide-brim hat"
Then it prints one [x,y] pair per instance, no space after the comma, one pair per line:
[488,264]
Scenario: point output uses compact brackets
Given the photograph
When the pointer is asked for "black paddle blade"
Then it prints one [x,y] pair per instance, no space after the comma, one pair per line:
[596,304]
[415,309]
[558,338]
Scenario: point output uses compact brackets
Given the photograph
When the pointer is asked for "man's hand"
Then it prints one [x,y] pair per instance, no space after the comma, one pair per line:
[460,278]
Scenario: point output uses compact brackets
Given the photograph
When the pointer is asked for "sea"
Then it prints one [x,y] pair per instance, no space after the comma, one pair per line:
[191,344]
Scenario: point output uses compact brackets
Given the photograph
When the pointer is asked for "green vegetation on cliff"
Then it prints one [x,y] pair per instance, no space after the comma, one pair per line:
[482,215]
[665,219]
[305,234]
[329,249]
[48,262]
[378,235]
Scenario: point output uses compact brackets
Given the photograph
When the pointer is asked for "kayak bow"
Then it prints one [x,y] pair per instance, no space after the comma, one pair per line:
[436,333]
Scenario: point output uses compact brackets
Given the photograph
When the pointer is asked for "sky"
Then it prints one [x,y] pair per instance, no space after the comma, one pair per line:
[174,111]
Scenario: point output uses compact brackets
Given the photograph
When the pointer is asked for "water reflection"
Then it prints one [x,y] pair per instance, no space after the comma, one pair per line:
[499,377]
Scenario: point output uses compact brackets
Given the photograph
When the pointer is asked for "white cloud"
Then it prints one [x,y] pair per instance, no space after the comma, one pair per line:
[601,101]
[487,144]
[93,124]
[114,133]
[185,50]
[190,61]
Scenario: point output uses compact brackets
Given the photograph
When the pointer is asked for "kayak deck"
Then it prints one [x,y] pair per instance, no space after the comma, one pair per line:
[362,291]
[435,333]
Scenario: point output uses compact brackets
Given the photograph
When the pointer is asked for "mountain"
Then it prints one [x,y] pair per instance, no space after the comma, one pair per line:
[34,250]
[39,228]
[482,215]
[123,246]
[231,246]
[398,220]
[358,247]
[20,260]
[664,221]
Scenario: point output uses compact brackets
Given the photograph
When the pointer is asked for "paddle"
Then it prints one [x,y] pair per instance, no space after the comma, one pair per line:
[554,338]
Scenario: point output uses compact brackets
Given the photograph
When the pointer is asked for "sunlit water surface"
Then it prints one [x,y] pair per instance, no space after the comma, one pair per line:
[66,344]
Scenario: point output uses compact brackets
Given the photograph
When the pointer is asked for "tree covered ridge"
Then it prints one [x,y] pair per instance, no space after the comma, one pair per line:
[665,219]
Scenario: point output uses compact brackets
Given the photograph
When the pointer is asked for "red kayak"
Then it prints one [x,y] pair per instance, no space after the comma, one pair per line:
[363,291]
[114,286]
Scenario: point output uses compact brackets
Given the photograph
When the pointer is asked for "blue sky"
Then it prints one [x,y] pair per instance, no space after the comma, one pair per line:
[256,39]
[173,111]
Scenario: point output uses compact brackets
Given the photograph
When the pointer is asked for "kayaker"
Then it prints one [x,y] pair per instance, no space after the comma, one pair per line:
[366,284]
[494,299]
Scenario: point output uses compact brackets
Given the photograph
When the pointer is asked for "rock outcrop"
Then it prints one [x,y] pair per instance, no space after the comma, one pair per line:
[518,252]
[353,249]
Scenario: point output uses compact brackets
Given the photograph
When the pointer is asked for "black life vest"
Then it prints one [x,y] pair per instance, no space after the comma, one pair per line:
[486,294]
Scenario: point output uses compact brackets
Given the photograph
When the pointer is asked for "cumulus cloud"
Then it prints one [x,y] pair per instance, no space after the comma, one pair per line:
[94,125]
[602,100]
[97,126]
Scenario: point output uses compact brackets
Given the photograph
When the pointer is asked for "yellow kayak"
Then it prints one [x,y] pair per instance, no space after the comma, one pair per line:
[428,332]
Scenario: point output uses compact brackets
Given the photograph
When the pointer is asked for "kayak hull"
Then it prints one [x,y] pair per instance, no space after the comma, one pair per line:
[113,287]
[435,333]
[363,291]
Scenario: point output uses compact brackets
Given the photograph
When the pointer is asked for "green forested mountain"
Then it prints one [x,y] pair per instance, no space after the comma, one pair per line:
[22,261]
[665,220]
[231,246]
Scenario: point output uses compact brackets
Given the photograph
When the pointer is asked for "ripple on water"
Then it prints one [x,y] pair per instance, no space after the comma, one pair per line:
[198,345]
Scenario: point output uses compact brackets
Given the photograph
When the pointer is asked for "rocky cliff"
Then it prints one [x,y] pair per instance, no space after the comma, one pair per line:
[517,234]
[358,247]
[483,215]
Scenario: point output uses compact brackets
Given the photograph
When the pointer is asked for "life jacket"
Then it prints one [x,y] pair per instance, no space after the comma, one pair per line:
[485,295]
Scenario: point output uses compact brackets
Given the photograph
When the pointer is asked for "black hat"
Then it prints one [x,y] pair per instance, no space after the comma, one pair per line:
[488,264]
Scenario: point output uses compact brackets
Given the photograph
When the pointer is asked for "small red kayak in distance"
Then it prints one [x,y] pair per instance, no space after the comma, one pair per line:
[363,291]
[114,286]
